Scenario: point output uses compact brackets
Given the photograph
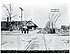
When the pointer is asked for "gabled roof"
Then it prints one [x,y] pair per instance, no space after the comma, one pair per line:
[31,23]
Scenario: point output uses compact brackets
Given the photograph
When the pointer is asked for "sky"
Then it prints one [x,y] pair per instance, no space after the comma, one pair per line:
[38,11]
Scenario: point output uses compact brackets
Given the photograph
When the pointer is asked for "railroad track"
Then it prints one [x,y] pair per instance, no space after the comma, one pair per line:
[35,41]
[30,43]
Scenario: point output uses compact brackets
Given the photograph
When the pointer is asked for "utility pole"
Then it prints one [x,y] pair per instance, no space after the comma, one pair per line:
[21,13]
[21,17]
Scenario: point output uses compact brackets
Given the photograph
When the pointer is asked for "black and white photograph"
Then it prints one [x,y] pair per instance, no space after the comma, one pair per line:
[35,26]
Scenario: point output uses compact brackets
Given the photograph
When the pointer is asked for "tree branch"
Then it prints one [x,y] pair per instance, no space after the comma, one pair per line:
[6,8]
[57,18]
[13,16]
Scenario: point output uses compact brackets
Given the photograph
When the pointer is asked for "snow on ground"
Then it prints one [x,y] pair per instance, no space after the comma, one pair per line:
[33,41]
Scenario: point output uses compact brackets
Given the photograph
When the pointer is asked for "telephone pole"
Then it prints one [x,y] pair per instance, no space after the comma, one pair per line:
[21,13]
[21,17]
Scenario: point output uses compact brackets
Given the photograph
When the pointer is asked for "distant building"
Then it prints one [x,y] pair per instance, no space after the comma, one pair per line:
[64,27]
[64,30]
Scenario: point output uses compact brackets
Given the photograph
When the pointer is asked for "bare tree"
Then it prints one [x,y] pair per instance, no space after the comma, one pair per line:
[57,17]
[53,17]
[9,12]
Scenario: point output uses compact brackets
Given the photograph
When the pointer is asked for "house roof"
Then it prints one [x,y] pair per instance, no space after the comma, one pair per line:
[31,23]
